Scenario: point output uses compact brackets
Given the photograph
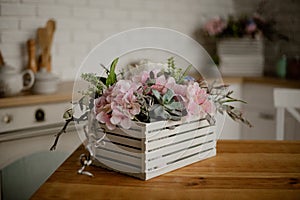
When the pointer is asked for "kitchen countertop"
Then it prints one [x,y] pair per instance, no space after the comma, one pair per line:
[64,92]
[241,170]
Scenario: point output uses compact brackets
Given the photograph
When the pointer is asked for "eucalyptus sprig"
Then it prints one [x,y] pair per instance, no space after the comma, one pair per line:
[222,99]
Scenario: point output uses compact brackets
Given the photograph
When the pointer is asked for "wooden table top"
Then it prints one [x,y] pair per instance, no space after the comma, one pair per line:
[241,170]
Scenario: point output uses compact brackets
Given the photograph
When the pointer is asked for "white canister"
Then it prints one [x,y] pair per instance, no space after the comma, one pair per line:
[45,82]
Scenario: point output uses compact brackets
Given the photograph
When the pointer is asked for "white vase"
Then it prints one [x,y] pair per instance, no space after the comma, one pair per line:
[241,56]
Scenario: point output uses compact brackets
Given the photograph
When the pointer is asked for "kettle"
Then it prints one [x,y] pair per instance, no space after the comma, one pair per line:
[12,82]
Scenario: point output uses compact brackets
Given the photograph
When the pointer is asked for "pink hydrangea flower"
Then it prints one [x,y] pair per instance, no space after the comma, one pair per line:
[198,100]
[118,105]
[215,26]
[144,75]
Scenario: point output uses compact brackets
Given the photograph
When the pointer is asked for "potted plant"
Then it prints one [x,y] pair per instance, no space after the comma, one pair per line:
[150,118]
[240,44]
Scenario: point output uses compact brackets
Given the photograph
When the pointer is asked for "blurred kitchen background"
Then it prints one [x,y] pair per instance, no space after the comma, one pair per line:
[30,121]
[82,24]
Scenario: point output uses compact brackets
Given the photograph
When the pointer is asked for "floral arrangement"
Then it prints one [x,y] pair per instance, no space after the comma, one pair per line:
[150,92]
[254,26]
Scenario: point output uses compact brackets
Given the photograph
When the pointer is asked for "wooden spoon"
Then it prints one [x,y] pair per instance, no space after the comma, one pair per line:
[50,26]
[43,42]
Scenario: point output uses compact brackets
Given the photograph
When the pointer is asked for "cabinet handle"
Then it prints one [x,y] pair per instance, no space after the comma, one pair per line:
[266,116]
[7,118]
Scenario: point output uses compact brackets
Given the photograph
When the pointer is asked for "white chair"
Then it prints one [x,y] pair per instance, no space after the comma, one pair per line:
[285,99]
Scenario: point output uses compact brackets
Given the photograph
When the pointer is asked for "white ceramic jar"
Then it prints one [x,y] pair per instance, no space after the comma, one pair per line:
[45,82]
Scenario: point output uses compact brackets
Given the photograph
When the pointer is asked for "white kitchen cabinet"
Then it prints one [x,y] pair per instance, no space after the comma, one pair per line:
[260,111]
[26,135]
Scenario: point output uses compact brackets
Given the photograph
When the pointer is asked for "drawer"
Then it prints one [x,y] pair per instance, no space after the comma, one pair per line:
[32,116]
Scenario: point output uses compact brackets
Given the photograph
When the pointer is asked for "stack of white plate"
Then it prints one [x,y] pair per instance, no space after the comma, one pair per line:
[241,56]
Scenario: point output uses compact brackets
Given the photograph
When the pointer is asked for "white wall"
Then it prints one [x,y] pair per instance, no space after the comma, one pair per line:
[82,24]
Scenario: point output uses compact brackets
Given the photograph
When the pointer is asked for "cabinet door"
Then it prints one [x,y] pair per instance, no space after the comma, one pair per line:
[264,125]
[260,111]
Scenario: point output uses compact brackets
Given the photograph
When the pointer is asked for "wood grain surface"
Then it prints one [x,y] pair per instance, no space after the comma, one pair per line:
[241,170]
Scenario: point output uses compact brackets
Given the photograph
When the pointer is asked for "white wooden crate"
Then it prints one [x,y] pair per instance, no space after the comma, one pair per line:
[148,150]
[241,56]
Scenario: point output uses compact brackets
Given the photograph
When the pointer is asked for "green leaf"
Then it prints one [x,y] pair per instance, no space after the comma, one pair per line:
[158,112]
[168,96]
[174,106]
[150,82]
[156,94]
[112,77]
[151,75]
[175,118]
[184,74]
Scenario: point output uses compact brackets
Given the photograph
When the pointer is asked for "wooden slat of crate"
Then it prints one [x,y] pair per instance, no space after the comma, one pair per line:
[119,156]
[182,145]
[181,163]
[129,150]
[176,129]
[163,161]
[123,140]
[177,137]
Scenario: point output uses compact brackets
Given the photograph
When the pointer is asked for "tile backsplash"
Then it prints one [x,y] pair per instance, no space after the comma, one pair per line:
[82,24]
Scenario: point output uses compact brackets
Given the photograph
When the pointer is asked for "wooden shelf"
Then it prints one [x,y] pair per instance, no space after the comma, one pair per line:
[63,94]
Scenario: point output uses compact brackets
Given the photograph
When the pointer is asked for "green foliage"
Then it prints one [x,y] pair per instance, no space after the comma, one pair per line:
[223,100]
[96,86]
[176,72]
[97,83]
[111,76]
[166,108]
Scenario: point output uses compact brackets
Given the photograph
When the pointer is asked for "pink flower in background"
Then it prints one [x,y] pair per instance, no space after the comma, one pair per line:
[215,26]
[251,27]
